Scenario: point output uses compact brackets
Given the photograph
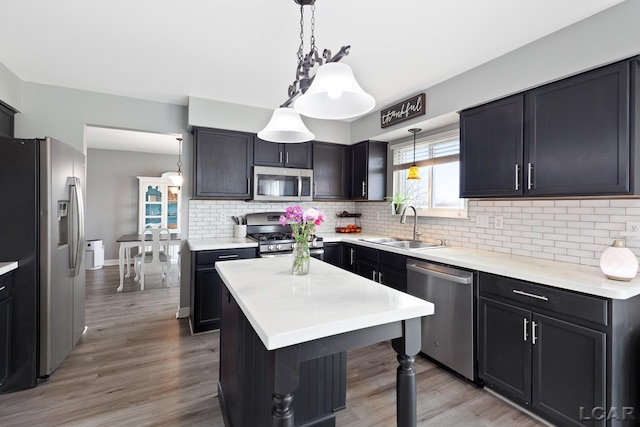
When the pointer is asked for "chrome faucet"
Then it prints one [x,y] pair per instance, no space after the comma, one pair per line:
[403,220]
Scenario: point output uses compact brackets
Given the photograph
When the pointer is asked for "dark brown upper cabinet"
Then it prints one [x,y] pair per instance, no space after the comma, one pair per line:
[331,171]
[223,163]
[296,155]
[574,137]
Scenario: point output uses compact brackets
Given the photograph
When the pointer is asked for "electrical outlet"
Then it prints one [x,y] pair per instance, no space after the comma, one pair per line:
[482,220]
[498,222]
[633,227]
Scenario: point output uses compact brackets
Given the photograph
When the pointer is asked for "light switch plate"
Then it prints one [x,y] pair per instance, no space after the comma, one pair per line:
[498,222]
[482,220]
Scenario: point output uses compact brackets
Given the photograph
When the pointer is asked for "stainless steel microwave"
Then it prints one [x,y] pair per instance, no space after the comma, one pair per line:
[282,184]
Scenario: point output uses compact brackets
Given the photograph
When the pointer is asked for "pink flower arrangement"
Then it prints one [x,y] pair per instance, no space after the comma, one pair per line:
[303,222]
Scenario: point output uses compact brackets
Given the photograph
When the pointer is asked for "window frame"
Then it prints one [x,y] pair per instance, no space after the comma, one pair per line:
[427,172]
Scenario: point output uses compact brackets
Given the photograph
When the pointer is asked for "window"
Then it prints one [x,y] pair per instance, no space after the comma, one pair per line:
[437,191]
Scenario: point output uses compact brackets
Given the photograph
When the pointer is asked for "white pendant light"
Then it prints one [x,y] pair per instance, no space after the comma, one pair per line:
[334,95]
[286,126]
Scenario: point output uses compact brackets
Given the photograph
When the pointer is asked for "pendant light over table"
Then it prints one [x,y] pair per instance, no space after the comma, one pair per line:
[177,178]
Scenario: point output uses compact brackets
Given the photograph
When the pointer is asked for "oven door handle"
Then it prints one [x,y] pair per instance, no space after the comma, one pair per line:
[317,251]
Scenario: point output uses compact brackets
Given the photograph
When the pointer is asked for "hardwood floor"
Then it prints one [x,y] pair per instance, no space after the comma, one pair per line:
[137,365]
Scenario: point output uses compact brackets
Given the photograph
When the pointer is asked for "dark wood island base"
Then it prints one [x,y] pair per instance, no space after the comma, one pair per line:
[302,384]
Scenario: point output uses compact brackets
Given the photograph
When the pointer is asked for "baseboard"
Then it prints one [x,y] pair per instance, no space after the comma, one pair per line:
[531,414]
[183,312]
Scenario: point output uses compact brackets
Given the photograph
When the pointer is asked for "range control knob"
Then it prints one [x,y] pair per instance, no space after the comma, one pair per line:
[278,247]
[270,247]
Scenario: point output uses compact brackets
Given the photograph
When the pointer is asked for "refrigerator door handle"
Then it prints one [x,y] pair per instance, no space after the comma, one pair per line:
[77,240]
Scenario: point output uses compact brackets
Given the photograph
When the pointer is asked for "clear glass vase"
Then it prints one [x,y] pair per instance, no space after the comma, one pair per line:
[301,256]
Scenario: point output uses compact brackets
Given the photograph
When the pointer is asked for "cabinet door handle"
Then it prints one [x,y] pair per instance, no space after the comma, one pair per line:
[534,338]
[248,185]
[525,323]
[228,296]
[517,176]
[527,294]
[380,277]
[352,255]
[280,157]
[364,184]
[228,256]
[374,276]
[286,162]
[2,288]
[529,176]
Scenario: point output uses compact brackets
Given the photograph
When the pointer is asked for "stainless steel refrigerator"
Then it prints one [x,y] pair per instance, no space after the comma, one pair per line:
[42,227]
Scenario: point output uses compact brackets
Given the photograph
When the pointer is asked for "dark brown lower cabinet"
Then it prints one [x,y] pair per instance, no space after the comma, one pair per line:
[246,377]
[5,339]
[206,286]
[567,357]
[333,254]
[384,267]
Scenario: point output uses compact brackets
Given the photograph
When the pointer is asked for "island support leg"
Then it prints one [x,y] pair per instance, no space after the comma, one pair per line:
[407,347]
[286,380]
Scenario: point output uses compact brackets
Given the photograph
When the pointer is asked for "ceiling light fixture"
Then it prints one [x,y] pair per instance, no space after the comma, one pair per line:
[414,172]
[331,94]
[177,178]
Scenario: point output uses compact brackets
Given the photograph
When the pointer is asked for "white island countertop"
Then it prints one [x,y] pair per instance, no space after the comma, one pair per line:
[285,310]
[6,267]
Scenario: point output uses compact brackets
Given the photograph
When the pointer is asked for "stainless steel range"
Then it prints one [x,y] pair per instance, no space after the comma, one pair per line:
[274,238]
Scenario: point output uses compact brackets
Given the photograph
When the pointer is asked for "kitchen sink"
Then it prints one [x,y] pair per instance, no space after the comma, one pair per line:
[383,240]
[412,244]
[400,243]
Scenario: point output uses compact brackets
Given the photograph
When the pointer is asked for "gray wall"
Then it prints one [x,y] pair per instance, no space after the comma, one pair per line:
[112,192]
[602,38]
[10,88]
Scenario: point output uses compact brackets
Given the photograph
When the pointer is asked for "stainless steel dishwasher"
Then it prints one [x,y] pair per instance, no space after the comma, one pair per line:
[448,334]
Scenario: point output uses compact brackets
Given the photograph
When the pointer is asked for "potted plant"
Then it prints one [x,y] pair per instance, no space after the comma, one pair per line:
[398,201]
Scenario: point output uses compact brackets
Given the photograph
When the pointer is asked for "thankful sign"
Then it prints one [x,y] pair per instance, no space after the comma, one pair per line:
[402,111]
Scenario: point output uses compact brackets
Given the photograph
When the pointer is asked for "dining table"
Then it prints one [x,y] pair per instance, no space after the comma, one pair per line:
[128,241]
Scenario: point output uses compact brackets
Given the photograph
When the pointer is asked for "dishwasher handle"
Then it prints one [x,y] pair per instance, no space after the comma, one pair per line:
[452,275]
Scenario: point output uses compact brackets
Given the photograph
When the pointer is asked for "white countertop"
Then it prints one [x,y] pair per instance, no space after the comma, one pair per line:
[6,267]
[575,277]
[220,243]
[286,310]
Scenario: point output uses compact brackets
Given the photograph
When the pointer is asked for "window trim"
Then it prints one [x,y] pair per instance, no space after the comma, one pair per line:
[437,138]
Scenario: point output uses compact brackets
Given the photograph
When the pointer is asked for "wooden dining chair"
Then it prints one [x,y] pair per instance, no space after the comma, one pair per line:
[154,254]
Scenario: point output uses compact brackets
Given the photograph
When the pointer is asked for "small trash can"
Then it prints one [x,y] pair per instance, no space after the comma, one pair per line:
[94,254]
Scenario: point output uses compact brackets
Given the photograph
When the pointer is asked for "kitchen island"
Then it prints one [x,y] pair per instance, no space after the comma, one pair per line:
[273,321]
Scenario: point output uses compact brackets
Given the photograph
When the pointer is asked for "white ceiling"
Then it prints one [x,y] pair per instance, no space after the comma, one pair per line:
[244,52]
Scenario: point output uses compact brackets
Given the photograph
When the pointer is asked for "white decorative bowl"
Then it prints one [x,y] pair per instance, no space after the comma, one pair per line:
[617,262]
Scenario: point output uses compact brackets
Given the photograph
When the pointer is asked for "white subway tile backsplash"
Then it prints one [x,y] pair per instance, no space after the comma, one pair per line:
[595,203]
[574,230]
